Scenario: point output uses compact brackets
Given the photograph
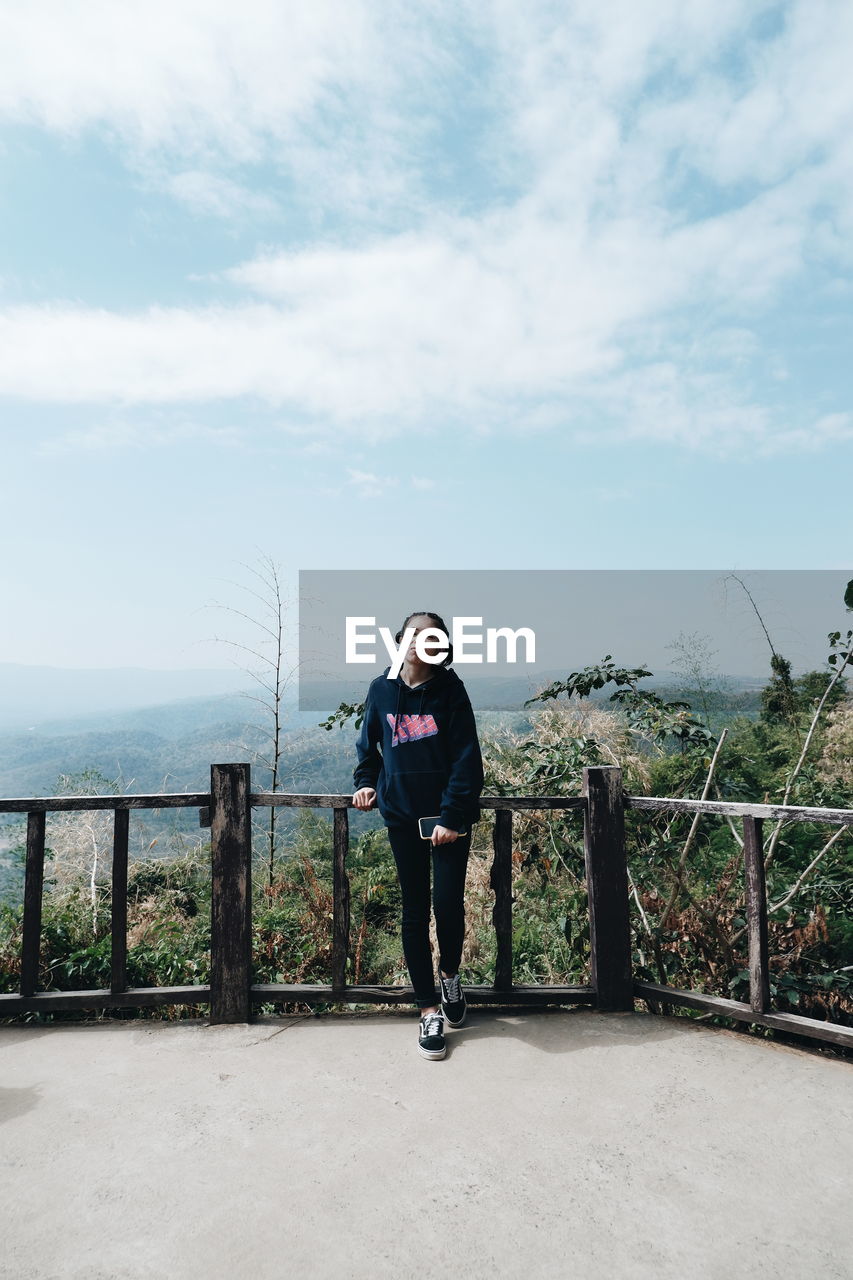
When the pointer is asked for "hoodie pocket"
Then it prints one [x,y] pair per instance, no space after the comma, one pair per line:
[415,793]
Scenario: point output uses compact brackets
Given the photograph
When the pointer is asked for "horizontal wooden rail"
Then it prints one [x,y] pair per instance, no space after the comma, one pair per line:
[258,799]
[60,804]
[794,1023]
[738,809]
[284,993]
[101,998]
[298,799]
[310,800]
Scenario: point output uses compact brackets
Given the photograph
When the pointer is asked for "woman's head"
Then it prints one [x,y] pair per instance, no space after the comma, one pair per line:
[420,621]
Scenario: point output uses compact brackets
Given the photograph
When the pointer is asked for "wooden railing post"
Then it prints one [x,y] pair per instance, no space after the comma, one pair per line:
[756,914]
[340,900]
[607,885]
[500,879]
[231,893]
[118,920]
[33,883]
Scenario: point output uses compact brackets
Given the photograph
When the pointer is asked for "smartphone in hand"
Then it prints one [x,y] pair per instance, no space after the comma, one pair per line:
[428,825]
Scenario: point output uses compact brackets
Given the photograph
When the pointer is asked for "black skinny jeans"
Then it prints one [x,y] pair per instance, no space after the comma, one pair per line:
[450,865]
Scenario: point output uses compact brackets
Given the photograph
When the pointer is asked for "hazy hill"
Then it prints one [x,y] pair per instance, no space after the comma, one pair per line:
[32,694]
[30,764]
[170,746]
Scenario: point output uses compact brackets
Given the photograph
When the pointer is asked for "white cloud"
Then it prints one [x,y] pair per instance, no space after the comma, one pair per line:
[829,430]
[115,436]
[368,485]
[315,90]
[508,321]
[664,161]
[199,74]
[209,193]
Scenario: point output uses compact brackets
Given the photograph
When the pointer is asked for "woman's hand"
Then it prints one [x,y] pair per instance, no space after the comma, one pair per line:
[443,835]
[364,798]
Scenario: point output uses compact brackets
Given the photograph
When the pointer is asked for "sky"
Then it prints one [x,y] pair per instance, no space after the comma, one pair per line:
[384,286]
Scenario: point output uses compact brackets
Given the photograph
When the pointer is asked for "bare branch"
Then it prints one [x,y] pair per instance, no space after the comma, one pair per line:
[757,614]
[240,614]
[643,915]
[783,902]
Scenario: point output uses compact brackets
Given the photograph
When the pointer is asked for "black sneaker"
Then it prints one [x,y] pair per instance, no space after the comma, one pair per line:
[431,1036]
[453,1003]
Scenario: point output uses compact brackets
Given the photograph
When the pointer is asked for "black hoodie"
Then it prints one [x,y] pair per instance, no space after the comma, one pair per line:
[430,761]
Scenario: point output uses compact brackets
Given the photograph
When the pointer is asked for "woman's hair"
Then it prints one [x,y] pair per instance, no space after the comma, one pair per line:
[440,623]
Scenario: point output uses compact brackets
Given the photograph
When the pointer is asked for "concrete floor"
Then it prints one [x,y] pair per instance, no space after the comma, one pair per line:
[564,1143]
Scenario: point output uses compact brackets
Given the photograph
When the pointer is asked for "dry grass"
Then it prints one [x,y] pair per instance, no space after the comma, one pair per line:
[835,766]
[552,724]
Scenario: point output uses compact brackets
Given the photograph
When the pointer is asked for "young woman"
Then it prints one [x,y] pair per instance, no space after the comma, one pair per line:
[418,757]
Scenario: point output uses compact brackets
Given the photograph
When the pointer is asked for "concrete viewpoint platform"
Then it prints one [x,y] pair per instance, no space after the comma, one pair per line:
[550,1144]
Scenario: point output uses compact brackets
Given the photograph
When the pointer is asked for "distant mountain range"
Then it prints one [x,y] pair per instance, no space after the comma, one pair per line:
[32,695]
[165,748]
[57,700]
[169,745]
[491,693]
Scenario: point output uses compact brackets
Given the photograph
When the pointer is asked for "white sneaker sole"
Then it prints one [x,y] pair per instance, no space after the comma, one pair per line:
[432,1053]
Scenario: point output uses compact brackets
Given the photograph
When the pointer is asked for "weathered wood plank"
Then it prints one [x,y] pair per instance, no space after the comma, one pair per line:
[789,812]
[59,804]
[340,899]
[312,800]
[231,893]
[33,885]
[756,915]
[500,879]
[118,921]
[318,994]
[607,886]
[201,799]
[296,993]
[795,1023]
[134,998]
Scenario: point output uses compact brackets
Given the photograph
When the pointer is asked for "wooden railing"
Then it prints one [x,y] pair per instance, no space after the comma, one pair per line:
[231,994]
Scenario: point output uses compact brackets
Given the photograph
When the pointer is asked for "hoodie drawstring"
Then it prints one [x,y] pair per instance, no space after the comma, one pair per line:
[397,708]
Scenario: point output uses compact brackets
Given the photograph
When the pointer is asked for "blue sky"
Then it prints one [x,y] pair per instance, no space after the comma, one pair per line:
[370,285]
